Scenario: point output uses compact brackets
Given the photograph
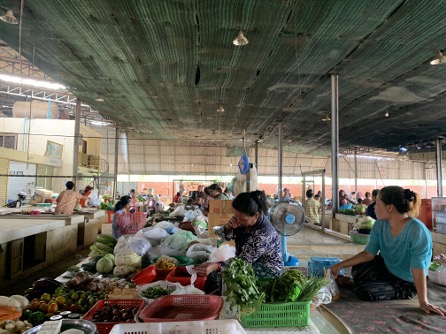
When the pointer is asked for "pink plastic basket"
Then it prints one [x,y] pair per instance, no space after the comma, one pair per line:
[182,308]
[130,223]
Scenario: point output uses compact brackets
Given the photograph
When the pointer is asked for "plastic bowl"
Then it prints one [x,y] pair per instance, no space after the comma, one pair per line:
[147,275]
[44,204]
[86,326]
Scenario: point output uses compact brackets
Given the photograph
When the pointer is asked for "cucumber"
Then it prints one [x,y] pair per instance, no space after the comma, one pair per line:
[106,240]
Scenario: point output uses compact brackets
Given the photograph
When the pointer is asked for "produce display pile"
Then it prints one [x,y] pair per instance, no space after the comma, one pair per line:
[107,272]
[248,293]
[112,264]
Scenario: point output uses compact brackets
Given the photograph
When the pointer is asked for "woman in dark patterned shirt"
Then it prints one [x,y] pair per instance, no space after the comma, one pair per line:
[256,240]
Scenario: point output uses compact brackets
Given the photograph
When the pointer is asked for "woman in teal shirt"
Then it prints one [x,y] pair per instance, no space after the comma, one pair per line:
[395,262]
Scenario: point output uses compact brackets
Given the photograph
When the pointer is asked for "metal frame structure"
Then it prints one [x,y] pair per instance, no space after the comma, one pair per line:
[313,173]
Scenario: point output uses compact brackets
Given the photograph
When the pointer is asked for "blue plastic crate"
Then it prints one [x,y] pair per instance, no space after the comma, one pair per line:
[316,265]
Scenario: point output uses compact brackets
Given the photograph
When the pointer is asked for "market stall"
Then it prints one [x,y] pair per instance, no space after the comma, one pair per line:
[149,277]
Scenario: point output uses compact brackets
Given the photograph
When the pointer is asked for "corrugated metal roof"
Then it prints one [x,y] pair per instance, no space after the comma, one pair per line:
[164,67]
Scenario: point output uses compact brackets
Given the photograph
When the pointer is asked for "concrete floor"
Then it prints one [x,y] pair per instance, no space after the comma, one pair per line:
[312,242]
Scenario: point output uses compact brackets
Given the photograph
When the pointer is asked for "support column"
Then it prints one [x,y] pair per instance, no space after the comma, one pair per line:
[256,154]
[279,158]
[323,201]
[439,160]
[356,171]
[115,172]
[77,139]
[335,142]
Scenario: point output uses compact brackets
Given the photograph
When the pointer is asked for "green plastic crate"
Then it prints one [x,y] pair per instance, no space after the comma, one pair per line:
[358,238]
[295,314]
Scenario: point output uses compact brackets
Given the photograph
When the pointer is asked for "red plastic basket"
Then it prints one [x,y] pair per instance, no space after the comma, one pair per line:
[130,223]
[179,274]
[182,308]
[105,327]
[147,275]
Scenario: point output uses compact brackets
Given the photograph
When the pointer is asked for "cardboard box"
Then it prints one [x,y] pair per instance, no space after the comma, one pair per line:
[220,211]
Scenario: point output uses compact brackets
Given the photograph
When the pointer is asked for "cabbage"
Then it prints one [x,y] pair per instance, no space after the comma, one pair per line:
[365,223]
[104,266]
[110,257]
[131,260]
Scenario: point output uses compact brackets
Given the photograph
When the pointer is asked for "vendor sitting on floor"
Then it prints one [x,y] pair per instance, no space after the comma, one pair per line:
[256,240]
[405,250]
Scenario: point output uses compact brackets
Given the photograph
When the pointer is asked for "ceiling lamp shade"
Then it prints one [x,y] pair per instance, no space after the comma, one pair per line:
[326,118]
[221,109]
[9,17]
[439,59]
[240,40]
[100,98]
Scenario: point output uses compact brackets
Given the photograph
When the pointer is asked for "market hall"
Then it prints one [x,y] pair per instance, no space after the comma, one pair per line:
[173,97]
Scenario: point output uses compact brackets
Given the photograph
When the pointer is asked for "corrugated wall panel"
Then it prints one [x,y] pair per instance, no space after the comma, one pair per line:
[171,157]
[4,169]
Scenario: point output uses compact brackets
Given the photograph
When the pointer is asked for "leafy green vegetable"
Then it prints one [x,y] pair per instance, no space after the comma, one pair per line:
[349,212]
[106,206]
[311,288]
[155,292]
[241,287]
[288,286]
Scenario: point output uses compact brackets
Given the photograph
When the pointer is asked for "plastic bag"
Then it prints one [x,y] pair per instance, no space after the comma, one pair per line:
[179,211]
[172,286]
[199,252]
[201,228]
[189,289]
[123,270]
[323,297]
[168,227]
[131,260]
[178,241]
[332,285]
[191,215]
[222,253]
[139,245]
[365,223]
[122,247]
[94,198]
[125,246]
[153,234]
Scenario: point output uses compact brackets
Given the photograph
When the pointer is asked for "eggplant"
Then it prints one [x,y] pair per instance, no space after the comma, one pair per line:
[46,284]
[32,293]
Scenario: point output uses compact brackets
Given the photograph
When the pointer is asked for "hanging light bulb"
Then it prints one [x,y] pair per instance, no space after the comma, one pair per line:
[439,59]
[386,114]
[326,118]
[100,98]
[9,17]
[240,40]
[221,109]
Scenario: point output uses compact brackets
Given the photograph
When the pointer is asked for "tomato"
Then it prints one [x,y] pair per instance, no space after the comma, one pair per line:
[53,307]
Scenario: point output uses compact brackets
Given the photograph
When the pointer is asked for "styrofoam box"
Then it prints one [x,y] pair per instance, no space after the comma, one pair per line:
[437,277]
[183,327]
[316,265]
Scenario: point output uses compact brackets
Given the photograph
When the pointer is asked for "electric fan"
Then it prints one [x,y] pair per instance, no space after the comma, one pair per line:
[288,218]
